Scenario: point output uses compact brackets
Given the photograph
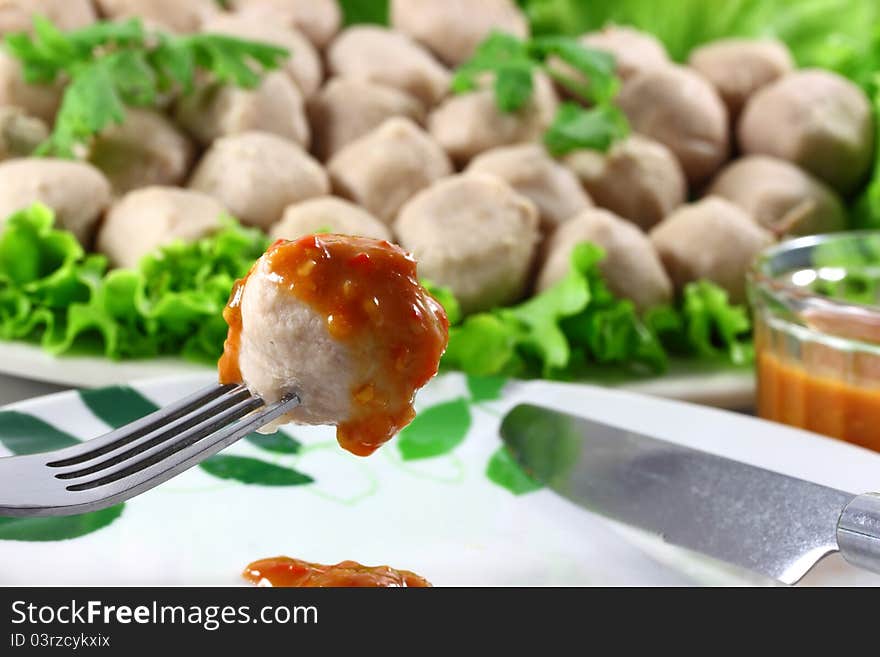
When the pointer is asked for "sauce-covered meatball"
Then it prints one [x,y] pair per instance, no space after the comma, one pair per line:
[76,191]
[631,267]
[216,110]
[303,65]
[343,323]
[816,119]
[712,239]
[156,216]
[328,214]
[20,133]
[638,179]
[145,149]
[256,175]
[634,51]
[385,167]
[681,110]
[780,196]
[344,110]
[452,29]
[530,171]
[737,68]
[317,19]
[18,15]
[172,15]
[377,54]
[284,571]
[473,234]
[468,124]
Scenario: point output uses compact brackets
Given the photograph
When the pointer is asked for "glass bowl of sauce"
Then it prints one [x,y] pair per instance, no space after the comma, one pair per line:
[817,334]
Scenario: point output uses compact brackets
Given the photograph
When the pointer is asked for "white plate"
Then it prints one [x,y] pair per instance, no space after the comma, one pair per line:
[441,516]
[725,388]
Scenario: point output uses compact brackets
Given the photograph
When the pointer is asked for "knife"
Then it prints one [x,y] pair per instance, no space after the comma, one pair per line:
[753,518]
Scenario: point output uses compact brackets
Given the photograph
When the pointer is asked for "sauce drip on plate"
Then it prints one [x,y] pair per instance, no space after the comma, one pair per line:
[368,293]
[284,571]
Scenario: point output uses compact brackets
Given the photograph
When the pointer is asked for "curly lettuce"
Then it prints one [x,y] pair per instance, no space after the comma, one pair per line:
[53,292]
[579,323]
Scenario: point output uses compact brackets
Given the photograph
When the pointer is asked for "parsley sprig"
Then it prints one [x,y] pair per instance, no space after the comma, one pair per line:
[112,65]
[592,121]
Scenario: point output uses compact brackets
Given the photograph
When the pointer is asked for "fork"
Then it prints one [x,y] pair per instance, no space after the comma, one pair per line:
[134,458]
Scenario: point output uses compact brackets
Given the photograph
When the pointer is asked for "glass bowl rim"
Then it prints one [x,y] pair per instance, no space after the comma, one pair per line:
[759,278]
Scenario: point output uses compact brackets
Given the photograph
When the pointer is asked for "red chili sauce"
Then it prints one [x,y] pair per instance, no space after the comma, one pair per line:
[284,571]
[369,293]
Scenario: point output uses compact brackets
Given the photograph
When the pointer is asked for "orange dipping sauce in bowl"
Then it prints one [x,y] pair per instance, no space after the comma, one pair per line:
[817,335]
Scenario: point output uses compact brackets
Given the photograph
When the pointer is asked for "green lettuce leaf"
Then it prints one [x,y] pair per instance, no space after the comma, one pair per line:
[579,323]
[51,291]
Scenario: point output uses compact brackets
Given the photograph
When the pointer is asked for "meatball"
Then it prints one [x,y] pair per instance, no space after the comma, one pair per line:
[385,167]
[712,239]
[304,63]
[216,110]
[631,266]
[146,149]
[155,216]
[20,134]
[319,20]
[77,192]
[780,196]
[376,54]
[739,67]
[39,100]
[470,123]
[345,110]
[634,51]
[173,15]
[473,234]
[452,29]
[18,15]
[530,171]
[328,214]
[638,179]
[816,119]
[256,175]
[342,323]
[678,108]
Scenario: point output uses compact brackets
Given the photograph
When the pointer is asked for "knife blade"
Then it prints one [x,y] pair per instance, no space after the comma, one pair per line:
[754,518]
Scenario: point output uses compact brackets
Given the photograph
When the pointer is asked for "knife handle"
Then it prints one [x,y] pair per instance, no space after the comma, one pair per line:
[858,532]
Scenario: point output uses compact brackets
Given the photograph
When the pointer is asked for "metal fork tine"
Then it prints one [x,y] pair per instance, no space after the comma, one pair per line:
[144,441]
[160,449]
[185,453]
[31,487]
[124,435]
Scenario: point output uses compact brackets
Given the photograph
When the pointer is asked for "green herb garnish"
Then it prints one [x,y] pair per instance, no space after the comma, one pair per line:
[587,74]
[112,65]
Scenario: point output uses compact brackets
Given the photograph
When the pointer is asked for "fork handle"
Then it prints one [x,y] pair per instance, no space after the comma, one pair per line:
[858,532]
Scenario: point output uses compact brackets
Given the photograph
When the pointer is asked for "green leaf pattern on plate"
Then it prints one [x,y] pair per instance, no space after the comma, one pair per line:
[57,529]
[485,388]
[254,471]
[436,430]
[507,473]
[21,433]
[278,442]
[119,405]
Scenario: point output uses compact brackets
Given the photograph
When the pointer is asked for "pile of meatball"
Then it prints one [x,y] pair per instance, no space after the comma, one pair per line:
[358,133]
